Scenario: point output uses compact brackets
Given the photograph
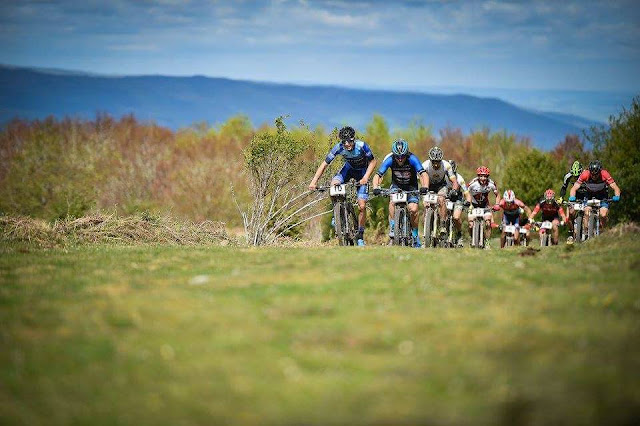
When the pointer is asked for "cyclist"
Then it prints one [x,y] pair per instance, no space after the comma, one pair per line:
[596,180]
[480,187]
[440,174]
[405,169]
[359,164]
[511,208]
[581,194]
[551,211]
[457,197]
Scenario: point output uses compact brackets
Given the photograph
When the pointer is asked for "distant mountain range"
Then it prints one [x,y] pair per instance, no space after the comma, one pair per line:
[182,101]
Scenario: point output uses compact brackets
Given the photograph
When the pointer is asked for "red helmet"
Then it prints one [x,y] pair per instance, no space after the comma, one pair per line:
[483,170]
[549,194]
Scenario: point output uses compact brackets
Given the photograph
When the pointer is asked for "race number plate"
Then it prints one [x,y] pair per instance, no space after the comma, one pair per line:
[450,205]
[430,198]
[593,203]
[477,212]
[399,197]
[337,190]
[510,229]
[578,207]
[546,225]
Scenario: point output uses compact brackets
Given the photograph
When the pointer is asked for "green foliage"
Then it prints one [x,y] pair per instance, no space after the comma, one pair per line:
[618,147]
[530,173]
[51,175]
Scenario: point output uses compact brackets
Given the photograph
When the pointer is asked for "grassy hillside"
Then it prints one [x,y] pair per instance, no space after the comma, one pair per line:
[106,334]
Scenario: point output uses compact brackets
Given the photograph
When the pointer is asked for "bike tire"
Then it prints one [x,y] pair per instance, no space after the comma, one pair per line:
[577,228]
[591,227]
[427,230]
[475,233]
[338,217]
[398,228]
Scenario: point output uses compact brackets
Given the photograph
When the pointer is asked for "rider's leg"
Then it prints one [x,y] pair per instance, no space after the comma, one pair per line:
[516,237]
[571,217]
[413,217]
[488,221]
[555,231]
[457,220]
[392,212]
[603,217]
[362,216]
[503,239]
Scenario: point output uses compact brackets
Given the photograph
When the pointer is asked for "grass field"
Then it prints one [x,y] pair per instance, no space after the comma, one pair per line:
[103,334]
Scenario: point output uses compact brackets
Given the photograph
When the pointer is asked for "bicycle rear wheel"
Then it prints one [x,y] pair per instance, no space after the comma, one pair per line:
[352,228]
[577,228]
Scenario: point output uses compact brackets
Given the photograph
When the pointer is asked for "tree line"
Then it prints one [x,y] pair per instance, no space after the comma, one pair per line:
[55,169]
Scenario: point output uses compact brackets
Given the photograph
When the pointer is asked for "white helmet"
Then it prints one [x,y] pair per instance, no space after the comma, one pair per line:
[509,196]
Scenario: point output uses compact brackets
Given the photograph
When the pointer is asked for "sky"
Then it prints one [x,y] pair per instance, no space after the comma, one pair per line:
[555,44]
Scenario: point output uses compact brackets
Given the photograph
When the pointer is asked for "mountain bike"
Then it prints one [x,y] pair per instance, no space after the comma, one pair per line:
[344,216]
[510,235]
[593,219]
[478,237]
[524,236]
[402,227]
[448,238]
[544,231]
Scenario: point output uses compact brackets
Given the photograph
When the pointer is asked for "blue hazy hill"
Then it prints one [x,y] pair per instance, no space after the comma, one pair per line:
[182,101]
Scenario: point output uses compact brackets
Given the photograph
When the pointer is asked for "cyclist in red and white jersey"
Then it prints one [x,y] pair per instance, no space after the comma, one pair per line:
[597,181]
[511,208]
[552,212]
[479,188]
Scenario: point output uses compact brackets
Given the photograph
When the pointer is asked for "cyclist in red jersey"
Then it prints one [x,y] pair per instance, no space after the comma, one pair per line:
[511,208]
[597,181]
[551,211]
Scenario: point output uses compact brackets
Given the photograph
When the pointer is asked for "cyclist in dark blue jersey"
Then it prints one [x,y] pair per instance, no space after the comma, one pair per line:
[359,164]
[405,169]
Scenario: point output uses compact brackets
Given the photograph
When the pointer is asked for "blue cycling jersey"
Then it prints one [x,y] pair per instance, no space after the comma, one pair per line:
[358,158]
[402,175]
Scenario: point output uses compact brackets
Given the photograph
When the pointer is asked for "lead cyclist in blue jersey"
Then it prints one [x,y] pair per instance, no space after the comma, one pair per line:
[359,164]
[405,170]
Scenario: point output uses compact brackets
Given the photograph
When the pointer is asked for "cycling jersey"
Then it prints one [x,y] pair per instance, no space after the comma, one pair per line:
[437,176]
[511,209]
[358,158]
[596,185]
[566,181]
[404,175]
[480,193]
[461,182]
[550,211]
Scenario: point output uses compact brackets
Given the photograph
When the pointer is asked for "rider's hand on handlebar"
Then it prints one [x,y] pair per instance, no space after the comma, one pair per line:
[616,198]
[572,198]
[363,181]
[377,191]
[560,200]
[312,186]
[424,191]
[496,207]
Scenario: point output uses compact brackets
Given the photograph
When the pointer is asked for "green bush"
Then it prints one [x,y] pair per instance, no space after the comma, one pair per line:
[618,147]
[530,173]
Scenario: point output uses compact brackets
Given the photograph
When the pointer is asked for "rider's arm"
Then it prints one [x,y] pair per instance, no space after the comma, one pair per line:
[424,179]
[377,178]
[452,177]
[565,184]
[370,167]
[616,189]
[319,172]
[534,212]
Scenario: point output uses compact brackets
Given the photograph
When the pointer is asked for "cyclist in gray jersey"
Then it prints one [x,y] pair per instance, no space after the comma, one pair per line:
[440,174]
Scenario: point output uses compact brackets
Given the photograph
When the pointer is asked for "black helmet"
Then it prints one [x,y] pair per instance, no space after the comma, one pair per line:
[347,134]
[454,166]
[595,167]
